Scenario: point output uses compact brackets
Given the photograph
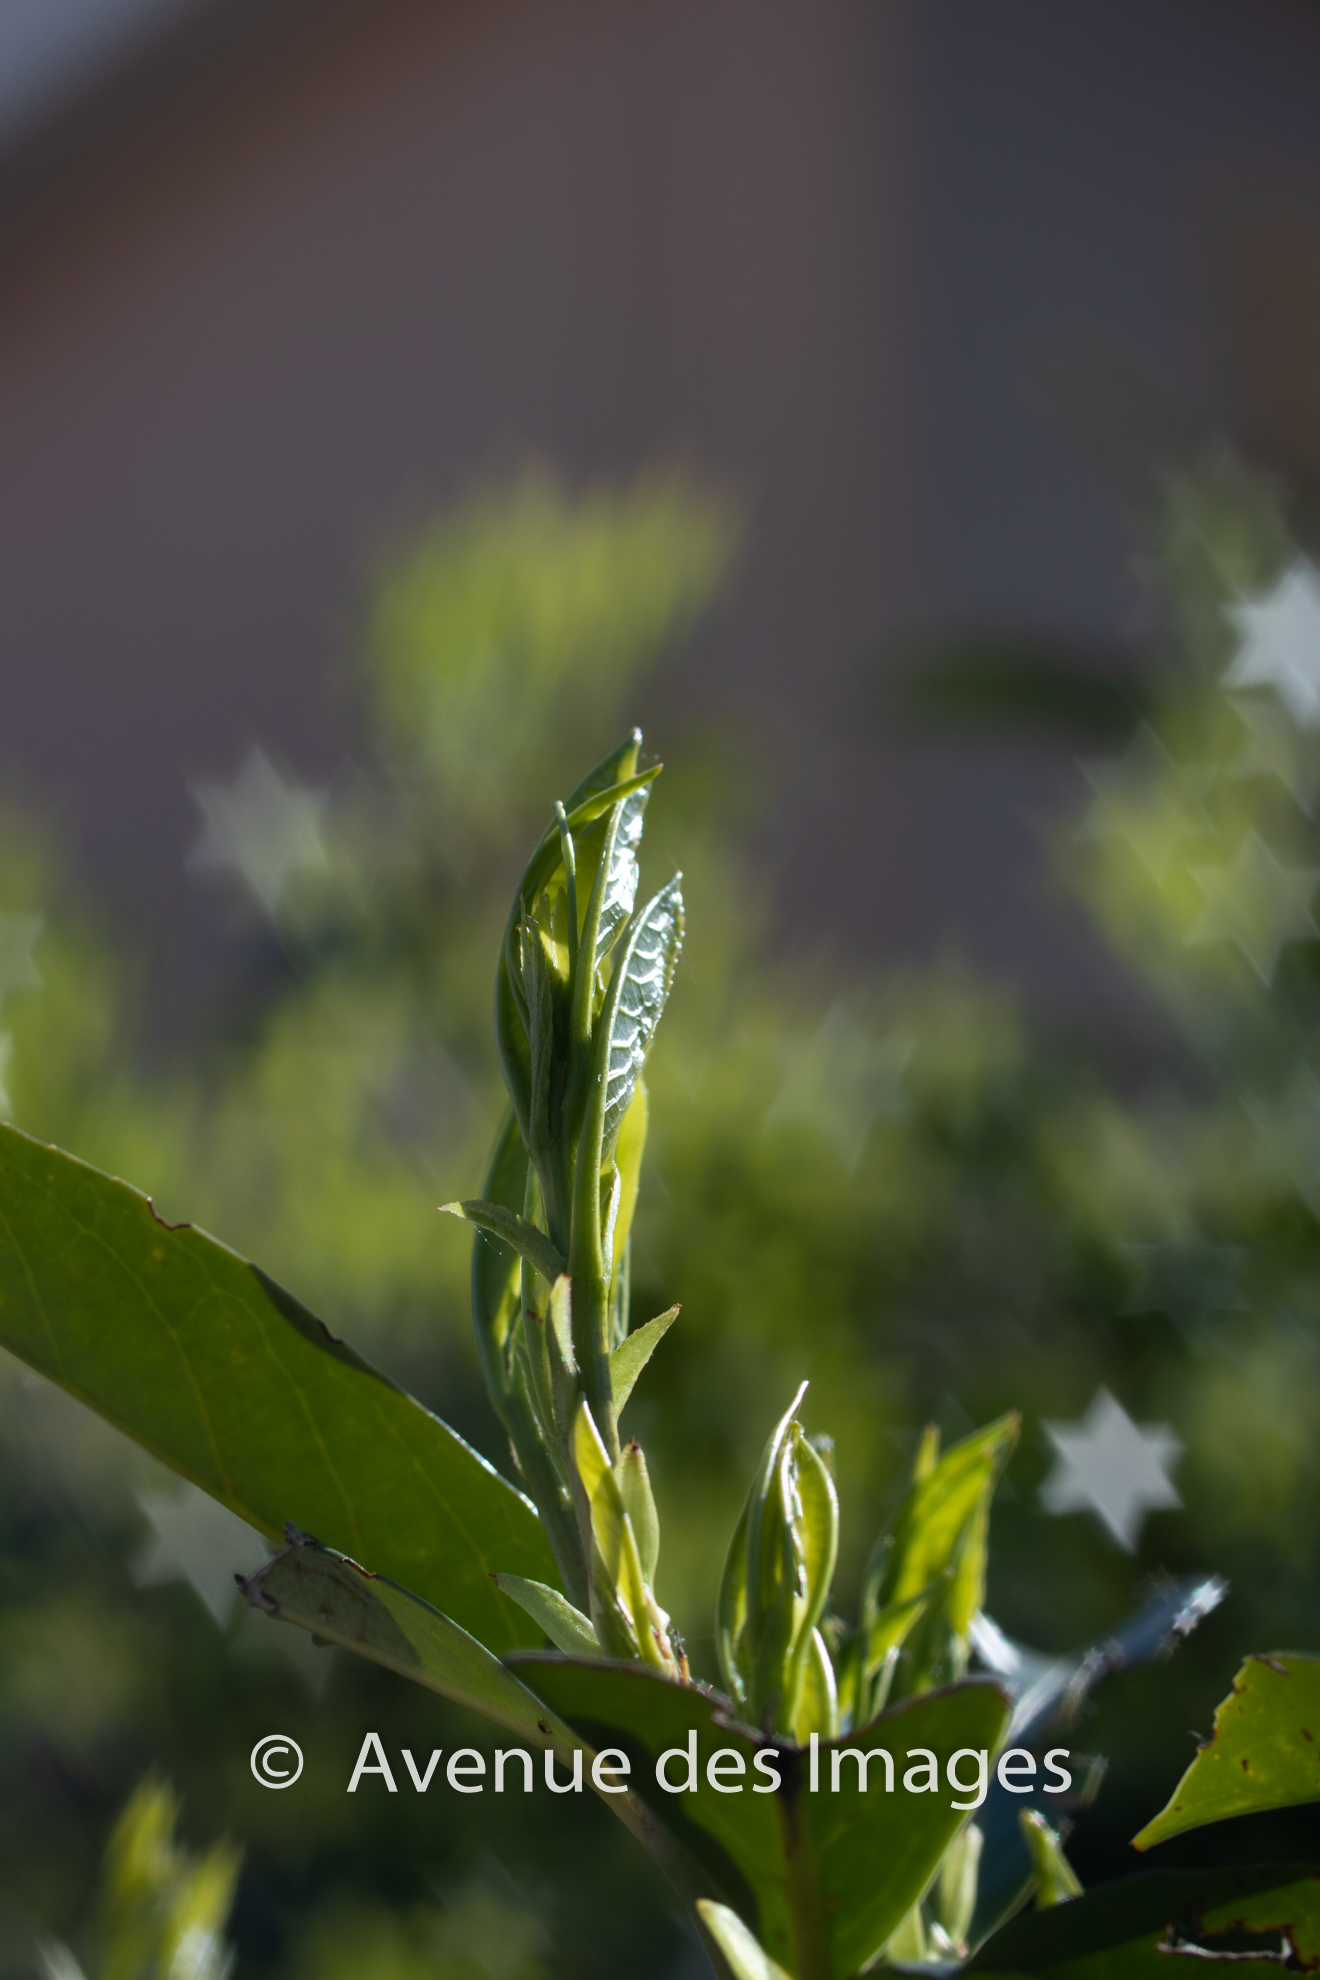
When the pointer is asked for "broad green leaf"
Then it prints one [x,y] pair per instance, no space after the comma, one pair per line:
[1127,1930]
[1264,1752]
[873,1851]
[526,1240]
[224,1376]
[934,1516]
[639,987]
[340,1602]
[568,1629]
[746,1959]
[633,1352]
[907,1833]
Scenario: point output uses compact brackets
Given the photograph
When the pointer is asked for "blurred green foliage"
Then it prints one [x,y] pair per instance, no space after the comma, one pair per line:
[898,1188]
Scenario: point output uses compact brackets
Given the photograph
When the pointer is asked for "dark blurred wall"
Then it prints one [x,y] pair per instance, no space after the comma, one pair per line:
[289,286]
[305,289]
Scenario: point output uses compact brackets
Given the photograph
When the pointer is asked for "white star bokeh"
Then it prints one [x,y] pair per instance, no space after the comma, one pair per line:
[18,936]
[194,1539]
[1280,634]
[261,828]
[1113,1467]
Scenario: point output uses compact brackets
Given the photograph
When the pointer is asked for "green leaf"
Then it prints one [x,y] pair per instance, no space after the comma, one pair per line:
[634,1482]
[633,1352]
[746,1959]
[342,1603]
[568,1629]
[1126,1930]
[620,887]
[495,1265]
[1056,1880]
[224,1376]
[935,1515]
[939,1537]
[628,1152]
[612,778]
[636,1002]
[799,1868]
[526,1240]
[1264,1752]
[894,1624]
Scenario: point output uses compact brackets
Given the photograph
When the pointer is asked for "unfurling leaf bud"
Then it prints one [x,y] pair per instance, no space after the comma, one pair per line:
[776,1584]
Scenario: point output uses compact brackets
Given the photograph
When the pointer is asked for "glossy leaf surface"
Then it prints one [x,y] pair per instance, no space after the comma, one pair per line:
[1264,1752]
[225,1377]
[799,1868]
[1127,1930]
[645,970]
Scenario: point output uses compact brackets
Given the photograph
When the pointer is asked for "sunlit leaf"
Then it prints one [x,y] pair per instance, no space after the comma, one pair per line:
[644,970]
[634,1351]
[568,1629]
[1264,1752]
[799,1868]
[224,1376]
[746,1959]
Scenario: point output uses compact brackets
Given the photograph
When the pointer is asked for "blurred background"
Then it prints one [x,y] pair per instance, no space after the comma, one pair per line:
[909,414]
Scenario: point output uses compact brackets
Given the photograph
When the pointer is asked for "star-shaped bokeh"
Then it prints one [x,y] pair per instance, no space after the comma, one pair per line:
[1255,903]
[18,936]
[261,829]
[1280,634]
[1113,1467]
[1147,800]
[1273,746]
[194,1539]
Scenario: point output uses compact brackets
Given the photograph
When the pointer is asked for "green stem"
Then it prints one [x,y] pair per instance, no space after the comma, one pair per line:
[543,1483]
[810,1926]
